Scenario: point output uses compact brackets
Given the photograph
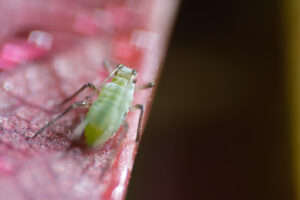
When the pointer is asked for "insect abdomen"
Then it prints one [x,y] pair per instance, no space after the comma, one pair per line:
[107,113]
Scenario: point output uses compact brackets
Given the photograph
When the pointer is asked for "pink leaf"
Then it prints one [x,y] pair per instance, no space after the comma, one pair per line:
[51,166]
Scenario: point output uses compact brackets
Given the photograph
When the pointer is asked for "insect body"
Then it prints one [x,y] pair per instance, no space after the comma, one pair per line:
[110,109]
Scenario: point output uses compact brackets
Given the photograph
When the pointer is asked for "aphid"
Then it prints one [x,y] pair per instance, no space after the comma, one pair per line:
[109,111]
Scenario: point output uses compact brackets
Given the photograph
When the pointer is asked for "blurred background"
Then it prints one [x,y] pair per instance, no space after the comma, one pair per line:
[218,126]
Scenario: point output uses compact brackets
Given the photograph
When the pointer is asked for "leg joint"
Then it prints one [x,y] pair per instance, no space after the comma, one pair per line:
[80,103]
[89,85]
[146,86]
[139,106]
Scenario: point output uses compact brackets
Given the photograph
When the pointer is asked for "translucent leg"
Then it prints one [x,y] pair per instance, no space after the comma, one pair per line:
[107,65]
[50,123]
[79,130]
[87,85]
[141,108]
[117,68]
[146,86]
[91,86]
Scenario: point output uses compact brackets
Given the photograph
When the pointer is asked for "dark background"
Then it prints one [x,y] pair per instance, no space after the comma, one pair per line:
[217,129]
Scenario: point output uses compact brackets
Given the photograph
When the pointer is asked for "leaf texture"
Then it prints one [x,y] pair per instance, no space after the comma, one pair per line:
[52,166]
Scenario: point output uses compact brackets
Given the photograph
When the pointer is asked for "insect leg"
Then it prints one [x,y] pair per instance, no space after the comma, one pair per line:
[107,66]
[91,86]
[141,108]
[125,129]
[50,123]
[87,85]
[117,68]
[79,130]
[146,86]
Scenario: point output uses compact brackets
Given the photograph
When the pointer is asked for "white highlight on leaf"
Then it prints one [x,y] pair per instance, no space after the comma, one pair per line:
[41,39]
[118,191]
[144,39]
[7,86]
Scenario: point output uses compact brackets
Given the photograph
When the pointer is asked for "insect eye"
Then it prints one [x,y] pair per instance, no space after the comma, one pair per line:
[134,72]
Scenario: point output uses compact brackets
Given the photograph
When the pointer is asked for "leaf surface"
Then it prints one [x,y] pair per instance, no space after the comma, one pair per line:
[51,166]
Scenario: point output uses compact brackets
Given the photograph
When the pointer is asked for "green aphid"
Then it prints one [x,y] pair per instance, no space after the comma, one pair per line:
[109,111]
